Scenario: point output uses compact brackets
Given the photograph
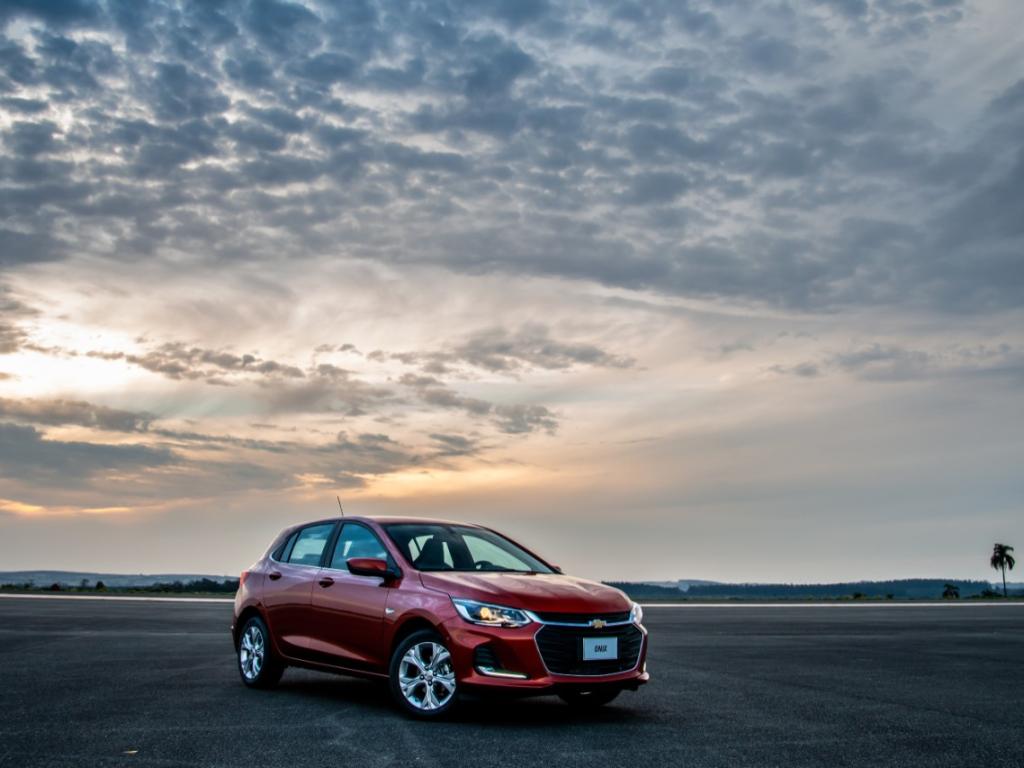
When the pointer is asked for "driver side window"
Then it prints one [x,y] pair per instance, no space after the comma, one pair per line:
[443,554]
[357,541]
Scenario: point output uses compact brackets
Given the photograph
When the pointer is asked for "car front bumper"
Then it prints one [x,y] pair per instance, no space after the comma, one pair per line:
[543,658]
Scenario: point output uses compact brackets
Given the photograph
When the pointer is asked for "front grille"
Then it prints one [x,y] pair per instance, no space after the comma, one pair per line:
[583,618]
[562,649]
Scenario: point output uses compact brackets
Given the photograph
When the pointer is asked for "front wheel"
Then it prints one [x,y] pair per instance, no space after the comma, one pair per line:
[422,677]
[591,699]
[257,663]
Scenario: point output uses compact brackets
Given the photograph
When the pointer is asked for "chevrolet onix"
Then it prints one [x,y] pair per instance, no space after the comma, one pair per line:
[437,609]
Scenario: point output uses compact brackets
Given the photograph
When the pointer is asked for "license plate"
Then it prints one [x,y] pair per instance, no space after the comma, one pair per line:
[595,648]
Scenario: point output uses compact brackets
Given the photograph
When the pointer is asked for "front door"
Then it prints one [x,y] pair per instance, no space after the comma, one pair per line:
[349,609]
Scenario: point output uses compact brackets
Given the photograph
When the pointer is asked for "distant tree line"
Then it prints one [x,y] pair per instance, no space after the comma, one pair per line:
[647,591]
[906,589]
[227,586]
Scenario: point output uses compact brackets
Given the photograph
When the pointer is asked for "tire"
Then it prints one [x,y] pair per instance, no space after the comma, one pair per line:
[258,665]
[589,700]
[421,676]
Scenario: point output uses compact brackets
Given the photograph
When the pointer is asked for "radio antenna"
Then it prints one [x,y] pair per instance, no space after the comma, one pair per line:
[340,508]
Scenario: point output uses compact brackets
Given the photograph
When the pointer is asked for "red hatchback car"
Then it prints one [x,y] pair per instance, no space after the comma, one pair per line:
[438,608]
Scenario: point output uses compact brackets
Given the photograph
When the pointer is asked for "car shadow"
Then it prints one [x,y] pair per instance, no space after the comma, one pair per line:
[373,698]
[539,712]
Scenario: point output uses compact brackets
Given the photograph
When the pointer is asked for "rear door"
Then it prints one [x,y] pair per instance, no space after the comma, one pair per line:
[288,587]
[350,609]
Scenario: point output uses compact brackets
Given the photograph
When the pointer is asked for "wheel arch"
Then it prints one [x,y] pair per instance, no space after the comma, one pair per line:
[243,617]
[408,626]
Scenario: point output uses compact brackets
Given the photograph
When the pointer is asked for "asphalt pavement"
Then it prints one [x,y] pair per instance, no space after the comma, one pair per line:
[101,683]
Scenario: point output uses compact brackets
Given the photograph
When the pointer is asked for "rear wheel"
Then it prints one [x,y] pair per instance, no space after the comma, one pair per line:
[259,666]
[591,699]
[422,677]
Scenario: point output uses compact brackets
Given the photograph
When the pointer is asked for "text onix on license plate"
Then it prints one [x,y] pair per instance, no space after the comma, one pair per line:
[596,648]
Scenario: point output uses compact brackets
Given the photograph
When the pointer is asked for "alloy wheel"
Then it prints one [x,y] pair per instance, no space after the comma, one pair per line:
[252,652]
[426,676]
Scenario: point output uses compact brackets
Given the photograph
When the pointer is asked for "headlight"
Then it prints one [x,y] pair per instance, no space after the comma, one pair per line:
[488,615]
[636,615]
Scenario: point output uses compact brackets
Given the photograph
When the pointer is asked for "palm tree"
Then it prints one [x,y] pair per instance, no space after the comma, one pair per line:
[1002,559]
[951,592]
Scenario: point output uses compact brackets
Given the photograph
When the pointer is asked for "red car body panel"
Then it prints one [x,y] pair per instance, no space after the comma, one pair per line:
[286,596]
[334,620]
[347,619]
[544,592]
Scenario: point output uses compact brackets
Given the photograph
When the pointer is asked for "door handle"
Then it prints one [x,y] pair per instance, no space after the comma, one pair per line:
[326,581]
[274,575]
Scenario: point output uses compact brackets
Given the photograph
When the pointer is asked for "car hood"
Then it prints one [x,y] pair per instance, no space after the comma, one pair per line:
[547,592]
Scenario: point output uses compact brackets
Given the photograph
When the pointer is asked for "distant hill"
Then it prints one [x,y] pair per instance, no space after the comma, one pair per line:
[683,589]
[900,589]
[685,584]
[675,588]
[646,591]
[111,580]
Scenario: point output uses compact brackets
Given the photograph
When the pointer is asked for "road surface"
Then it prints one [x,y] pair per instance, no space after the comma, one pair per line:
[118,683]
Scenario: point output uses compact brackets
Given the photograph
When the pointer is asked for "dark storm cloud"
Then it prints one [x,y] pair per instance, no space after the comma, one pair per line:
[804,370]
[12,312]
[893,20]
[501,350]
[180,361]
[43,468]
[56,12]
[521,419]
[769,54]
[531,345]
[366,453]
[454,445]
[11,337]
[326,388]
[26,138]
[607,142]
[894,362]
[27,453]
[320,388]
[56,412]
[435,393]
[18,248]
[511,419]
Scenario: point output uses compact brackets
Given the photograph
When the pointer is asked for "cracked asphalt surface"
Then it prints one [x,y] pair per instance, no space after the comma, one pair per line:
[100,683]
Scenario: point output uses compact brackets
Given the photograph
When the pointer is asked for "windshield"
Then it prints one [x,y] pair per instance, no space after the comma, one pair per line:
[435,547]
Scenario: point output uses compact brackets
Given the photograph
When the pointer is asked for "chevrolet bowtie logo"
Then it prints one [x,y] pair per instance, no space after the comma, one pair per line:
[598,623]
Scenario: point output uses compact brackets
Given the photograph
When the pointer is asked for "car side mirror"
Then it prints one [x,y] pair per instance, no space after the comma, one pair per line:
[556,568]
[370,566]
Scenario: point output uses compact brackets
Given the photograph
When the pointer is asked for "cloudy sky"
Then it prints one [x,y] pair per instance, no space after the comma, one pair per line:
[728,290]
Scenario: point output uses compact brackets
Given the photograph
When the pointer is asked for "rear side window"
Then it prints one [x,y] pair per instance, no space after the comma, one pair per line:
[310,543]
[281,553]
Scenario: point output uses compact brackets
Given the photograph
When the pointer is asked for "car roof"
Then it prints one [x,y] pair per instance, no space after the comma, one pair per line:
[390,519]
[385,520]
